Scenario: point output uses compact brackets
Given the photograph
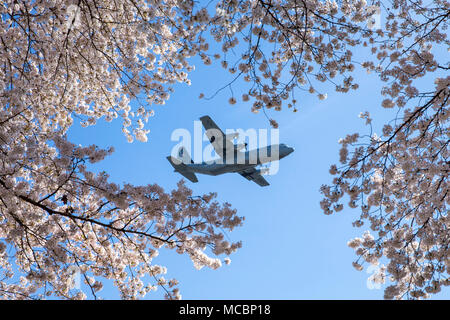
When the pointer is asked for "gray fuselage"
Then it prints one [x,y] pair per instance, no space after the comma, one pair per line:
[239,161]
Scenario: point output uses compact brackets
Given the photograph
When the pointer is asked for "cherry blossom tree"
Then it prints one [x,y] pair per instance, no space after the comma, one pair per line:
[399,178]
[81,60]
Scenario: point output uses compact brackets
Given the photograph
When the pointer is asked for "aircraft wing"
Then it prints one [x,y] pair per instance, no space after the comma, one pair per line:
[254,175]
[221,144]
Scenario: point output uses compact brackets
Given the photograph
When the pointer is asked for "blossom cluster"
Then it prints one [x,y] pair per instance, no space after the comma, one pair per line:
[400,183]
[279,46]
[56,214]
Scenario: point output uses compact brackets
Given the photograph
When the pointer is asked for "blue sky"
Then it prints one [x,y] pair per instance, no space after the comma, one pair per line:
[291,250]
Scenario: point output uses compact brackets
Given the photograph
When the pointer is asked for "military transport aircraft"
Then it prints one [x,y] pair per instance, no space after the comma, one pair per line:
[232,158]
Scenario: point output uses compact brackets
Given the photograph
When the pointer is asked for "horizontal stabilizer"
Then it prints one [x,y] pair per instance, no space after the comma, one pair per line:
[182,169]
[188,175]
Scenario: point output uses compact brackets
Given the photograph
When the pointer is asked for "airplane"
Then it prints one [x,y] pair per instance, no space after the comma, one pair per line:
[232,158]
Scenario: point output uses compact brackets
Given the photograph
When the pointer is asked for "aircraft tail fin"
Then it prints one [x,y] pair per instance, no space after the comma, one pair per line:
[181,168]
[183,156]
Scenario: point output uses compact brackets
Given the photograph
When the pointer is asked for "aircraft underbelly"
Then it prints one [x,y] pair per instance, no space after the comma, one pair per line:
[218,169]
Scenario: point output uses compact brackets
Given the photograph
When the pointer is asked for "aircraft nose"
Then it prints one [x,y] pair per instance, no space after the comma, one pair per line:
[290,150]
